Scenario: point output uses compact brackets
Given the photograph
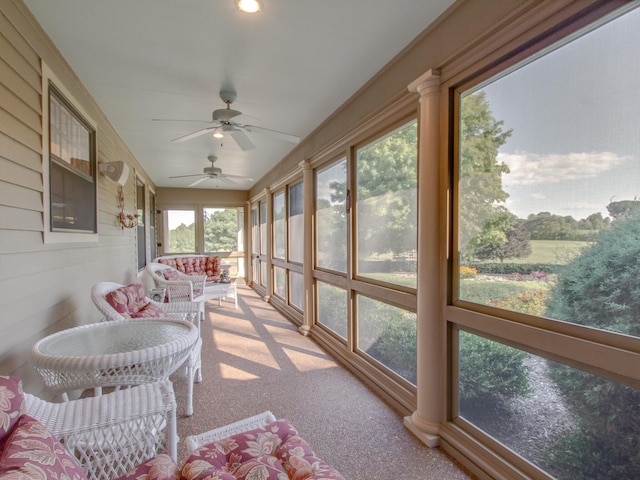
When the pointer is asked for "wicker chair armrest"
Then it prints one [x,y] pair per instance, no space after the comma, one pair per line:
[196,441]
[113,433]
[180,310]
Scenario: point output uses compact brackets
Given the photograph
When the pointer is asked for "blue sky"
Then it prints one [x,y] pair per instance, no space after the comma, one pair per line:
[575,116]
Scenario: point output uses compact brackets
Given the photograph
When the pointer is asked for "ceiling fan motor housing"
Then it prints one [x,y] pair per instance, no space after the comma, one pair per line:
[212,170]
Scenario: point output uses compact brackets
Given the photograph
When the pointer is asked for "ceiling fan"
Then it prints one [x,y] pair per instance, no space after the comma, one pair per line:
[213,173]
[223,125]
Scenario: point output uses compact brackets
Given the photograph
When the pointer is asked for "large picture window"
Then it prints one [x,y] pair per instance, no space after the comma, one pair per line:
[72,167]
[331,213]
[548,238]
[386,194]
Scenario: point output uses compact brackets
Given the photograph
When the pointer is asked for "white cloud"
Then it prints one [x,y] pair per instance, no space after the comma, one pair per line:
[533,168]
[537,196]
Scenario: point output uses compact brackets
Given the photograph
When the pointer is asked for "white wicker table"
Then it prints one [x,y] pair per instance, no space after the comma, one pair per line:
[113,354]
[221,290]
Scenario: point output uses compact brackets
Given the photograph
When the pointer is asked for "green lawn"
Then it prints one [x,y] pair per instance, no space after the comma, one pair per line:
[554,252]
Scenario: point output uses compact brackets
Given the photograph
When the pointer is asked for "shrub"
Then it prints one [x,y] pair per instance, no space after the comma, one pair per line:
[468,272]
[529,302]
[601,288]
[490,373]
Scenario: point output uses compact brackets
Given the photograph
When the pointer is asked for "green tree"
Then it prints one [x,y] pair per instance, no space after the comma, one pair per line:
[547,226]
[624,209]
[221,230]
[182,239]
[480,184]
[509,239]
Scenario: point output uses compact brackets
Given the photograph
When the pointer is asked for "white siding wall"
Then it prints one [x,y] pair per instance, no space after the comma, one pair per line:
[46,287]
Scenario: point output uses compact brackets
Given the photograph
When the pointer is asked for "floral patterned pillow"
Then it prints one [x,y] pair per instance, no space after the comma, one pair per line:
[160,467]
[171,275]
[272,452]
[128,300]
[11,406]
[149,311]
[32,452]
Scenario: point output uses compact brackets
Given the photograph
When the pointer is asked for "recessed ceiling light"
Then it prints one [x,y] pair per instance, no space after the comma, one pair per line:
[249,6]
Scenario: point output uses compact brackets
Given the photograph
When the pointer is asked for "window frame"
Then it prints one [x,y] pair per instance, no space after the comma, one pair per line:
[50,235]
[602,353]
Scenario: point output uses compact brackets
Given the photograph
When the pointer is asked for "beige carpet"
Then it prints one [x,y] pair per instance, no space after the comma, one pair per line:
[253,359]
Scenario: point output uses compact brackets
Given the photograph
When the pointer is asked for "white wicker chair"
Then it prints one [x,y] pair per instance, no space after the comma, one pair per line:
[113,433]
[182,310]
[187,288]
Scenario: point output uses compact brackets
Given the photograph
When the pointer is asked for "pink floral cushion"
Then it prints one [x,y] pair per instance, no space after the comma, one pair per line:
[196,265]
[160,467]
[32,452]
[11,406]
[272,452]
[128,300]
[149,311]
[171,275]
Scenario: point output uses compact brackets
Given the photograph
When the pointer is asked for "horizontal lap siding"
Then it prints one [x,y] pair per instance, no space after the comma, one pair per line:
[46,287]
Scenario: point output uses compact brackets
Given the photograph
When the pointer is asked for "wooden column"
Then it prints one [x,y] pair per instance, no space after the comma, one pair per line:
[269,226]
[307,267]
[425,421]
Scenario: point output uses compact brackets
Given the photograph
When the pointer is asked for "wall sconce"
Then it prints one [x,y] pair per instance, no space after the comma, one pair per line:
[127,220]
[116,171]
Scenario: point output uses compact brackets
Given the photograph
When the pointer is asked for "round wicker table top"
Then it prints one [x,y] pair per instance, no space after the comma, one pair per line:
[130,352]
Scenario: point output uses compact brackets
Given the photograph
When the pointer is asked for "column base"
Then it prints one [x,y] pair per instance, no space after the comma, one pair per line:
[304,330]
[421,430]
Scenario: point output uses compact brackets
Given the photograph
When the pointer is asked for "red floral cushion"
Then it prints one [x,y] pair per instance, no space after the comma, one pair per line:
[32,452]
[11,405]
[149,311]
[160,467]
[272,452]
[128,300]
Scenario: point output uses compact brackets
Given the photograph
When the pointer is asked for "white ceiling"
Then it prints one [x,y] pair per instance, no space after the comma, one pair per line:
[292,65]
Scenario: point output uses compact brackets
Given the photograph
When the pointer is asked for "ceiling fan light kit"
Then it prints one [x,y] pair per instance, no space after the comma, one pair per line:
[249,6]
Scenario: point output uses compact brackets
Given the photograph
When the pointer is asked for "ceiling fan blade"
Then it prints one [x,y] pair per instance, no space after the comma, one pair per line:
[237,177]
[242,140]
[185,176]
[197,182]
[274,133]
[179,120]
[193,135]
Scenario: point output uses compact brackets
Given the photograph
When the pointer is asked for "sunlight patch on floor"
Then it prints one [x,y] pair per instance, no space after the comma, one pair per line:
[308,363]
[229,372]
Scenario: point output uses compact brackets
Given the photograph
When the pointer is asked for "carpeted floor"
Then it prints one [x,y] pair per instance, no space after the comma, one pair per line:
[254,359]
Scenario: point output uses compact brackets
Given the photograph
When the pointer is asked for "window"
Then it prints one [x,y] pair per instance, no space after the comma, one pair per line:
[280,282]
[547,266]
[141,211]
[279,226]
[331,216]
[180,231]
[386,207]
[332,308]
[296,222]
[153,240]
[70,175]
[296,293]
[388,334]
[220,230]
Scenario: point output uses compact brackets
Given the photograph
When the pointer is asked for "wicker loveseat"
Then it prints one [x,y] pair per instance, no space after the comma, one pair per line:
[208,265]
[195,266]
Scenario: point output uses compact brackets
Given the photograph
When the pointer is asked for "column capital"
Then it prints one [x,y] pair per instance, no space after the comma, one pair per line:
[426,81]
[305,164]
